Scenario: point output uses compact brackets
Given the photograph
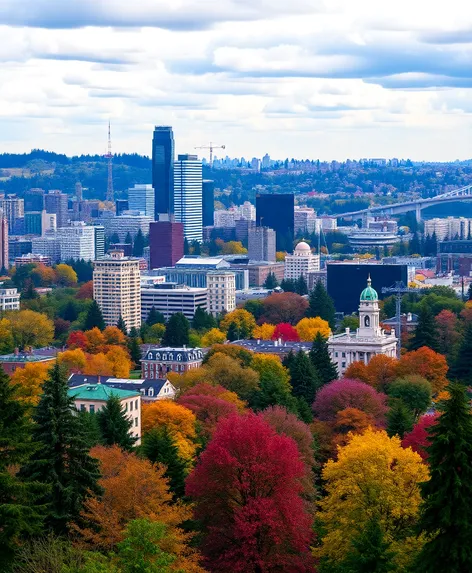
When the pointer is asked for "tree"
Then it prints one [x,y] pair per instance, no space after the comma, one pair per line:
[29,382]
[74,361]
[203,320]
[469,292]
[381,371]
[414,391]
[61,459]
[138,245]
[426,333]
[65,275]
[304,377]
[114,336]
[30,328]
[213,336]
[7,344]
[20,513]
[285,332]
[119,361]
[134,351]
[301,287]
[321,304]
[77,339]
[426,363]
[121,325]
[274,383]
[399,419]
[98,365]
[229,373]
[115,425]
[321,360]
[159,448]
[155,317]
[418,439]
[373,478]
[233,332]
[94,318]
[29,292]
[253,515]
[95,341]
[177,331]
[461,370]
[263,332]
[447,496]
[284,307]
[243,322]
[255,307]
[239,353]
[447,329]
[85,291]
[128,239]
[308,328]
[271,281]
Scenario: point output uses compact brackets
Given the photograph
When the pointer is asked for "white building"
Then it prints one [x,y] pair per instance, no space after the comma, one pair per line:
[329,223]
[247,211]
[261,244]
[221,287]
[302,262]
[48,222]
[141,199]
[13,208]
[225,219]
[170,298]
[77,242]
[305,220]
[369,339]
[188,196]
[448,228]
[129,222]
[9,299]
[47,246]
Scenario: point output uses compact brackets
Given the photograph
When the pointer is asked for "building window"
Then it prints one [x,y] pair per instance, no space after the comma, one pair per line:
[136,405]
[136,421]
[131,406]
[367,322]
[82,407]
[343,355]
[344,365]
[336,354]
[151,392]
[92,408]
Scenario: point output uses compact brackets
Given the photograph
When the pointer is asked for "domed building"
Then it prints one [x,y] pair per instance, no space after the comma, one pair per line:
[369,339]
[302,262]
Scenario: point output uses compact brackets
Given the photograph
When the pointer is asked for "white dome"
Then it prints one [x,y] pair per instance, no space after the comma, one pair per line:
[303,247]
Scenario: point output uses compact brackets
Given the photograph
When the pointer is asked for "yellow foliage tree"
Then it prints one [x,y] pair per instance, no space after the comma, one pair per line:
[373,477]
[179,421]
[29,382]
[280,256]
[308,328]
[98,365]
[6,336]
[243,320]
[264,331]
[65,275]
[30,328]
[190,378]
[119,361]
[234,248]
[114,336]
[95,340]
[73,360]
[213,336]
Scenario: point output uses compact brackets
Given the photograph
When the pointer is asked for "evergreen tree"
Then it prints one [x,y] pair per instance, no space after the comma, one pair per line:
[304,377]
[20,513]
[321,360]
[114,239]
[134,350]
[29,292]
[446,513]
[186,247]
[128,239]
[469,292]
[414,246]
[426,332]
[289,360]
[94,317]
[177,331]
[133,333]
[233,332]
[399,418]
[203,320]
[301,287]
[271,281]
[461,369]
[196,248]
[89,424]
[155,317]
[159,447]
[288,285]
[321,304]
[115,425]
[61,459]
[121,324]
[70,312]
[138,245]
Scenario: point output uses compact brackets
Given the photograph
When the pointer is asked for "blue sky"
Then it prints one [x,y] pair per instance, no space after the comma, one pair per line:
[330,79]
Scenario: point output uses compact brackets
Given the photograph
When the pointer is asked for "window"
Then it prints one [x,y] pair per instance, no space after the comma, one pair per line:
[151,392]
[136,405]
[367,322]
[343,355]
[82,407]
[336,354]
[131,406]
[92,408]
[344,365]
[136,422]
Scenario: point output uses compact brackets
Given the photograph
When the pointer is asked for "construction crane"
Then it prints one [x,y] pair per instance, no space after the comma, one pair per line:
[211,147]
[399,289]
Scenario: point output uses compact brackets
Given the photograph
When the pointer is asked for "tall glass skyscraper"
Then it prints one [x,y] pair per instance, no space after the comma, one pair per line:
[276,210]
[163,172]
[188,200]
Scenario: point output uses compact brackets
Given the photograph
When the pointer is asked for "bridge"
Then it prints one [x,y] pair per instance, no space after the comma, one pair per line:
[462,194]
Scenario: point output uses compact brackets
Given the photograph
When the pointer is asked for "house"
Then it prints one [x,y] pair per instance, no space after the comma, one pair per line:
[157,362]
[11,362]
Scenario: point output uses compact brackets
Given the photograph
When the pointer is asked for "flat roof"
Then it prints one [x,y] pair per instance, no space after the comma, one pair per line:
[99,392]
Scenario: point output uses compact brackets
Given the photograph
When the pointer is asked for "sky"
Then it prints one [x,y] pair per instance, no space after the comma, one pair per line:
[318,79]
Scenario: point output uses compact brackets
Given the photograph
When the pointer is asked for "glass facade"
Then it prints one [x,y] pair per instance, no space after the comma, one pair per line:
[277,212]
[208,190]
[163,172]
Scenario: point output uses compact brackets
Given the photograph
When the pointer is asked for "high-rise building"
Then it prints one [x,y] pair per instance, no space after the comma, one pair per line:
[13,209]
[3,242]
[277,212]
[163,172]
[302,262]
[57,202]
[33,222]
[224,219]
[129,222]
[188,195]
[208,193]
[99,235]
[48,222]
[117,289]
[18,247]
[78,191]
[221,287]
[47,246]
[77,242]
[121,206]
[34,200]
[305,220]
[141,199]
[166,243]
[261,244]
[247,211]
[170,298]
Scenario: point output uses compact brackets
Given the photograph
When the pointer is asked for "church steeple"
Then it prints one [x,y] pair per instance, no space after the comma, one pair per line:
[369,313]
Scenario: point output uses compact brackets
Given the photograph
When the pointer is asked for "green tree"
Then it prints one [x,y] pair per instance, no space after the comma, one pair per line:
[426,333]
[29,292]
[128,239]
[301,287]
[114,239]
[177,331]
[445,517]
[304,377]
[255,307]
[415,245]
[288,285]
[469,292]
[187,247]
[271,281]
[321,304]
[461,368]
[61,459]
[399,419]
[155,317]
[233,332]
[321,360]
[159,448]
[115,425]
[134,350]
[94,317]
[138,245]
[203,320]
[89,424]
[121,324]
[414,391]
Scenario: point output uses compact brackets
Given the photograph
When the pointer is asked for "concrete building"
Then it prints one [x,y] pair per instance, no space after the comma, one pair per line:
[368,341]
[305,220]
[188,198]
[448,228]
[221,292]
[99,240]
[301,263]
[77,242]
[276,210]
[170,298]
[329,223]
[141,199]
[48,222]
[158,362]
[47,246]
[247,211]
[117,289]
[3,242]
[261,244]
[225,218]
[9,299]
[166,243]
[13,208]
[34,200]
[34,259]
[368,240]
[56,202]
[129,222]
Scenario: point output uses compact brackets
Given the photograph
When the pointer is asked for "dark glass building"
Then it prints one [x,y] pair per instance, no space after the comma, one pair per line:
[277,212]
[163,172]
[208,190]
[56,203]
[121,205]
[166,243]
[34,200]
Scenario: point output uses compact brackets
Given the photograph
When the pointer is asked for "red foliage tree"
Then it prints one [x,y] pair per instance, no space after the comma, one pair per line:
[85,291]
[247,492]
[419,439]
[286,332]
[284,307]
[346,393]
[448,331]
[208,410]
[77,339]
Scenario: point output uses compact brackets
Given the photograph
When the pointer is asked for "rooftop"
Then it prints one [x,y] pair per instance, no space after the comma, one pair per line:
[100,392]
[196,261]
[35,355]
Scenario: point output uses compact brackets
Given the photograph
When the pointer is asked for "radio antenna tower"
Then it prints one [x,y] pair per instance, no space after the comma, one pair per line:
[109,157]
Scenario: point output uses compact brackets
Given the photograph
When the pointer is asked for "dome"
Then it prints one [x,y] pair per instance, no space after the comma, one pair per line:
[303,247]
[369,294]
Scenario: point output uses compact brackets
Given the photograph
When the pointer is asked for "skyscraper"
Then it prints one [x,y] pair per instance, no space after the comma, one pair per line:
[56,202]
[141,198]
[34,200]
[277,212]
[208,195]
[3,242]
[166,244]
[13,209]
[188,195]
[163,172]
[261,244]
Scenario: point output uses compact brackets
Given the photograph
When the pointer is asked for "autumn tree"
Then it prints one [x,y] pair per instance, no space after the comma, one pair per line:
[274,383]
[95,340]
[373,477]
[30,328]
[229,373]
[119,361]
[253,515]
[114,336]
[357,370]
[308,328]
[98,365]
[264,332]
[115,425]
[208,410]
[381,370]
[284,307]
[426,333]
[461,370]
[94,317]
[85,291]
[177,331]
[285,332]
[447,496]
[239,353]
[77,339]
[65,275]
[321,360]
[7,343]
[213,336]
[321,305]
[74,361]
[447,329]
[418,439]
[426,363]
[29,382]
[414,391]
[243,322]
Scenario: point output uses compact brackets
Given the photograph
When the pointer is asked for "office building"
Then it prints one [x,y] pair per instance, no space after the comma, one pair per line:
[13,209]
[9,299]
[301,263]
[166,243]
[223,218]
[221,292]
[247,211]
[208,196]
[305,221]
[163,172]
[18,247]
[33,222]
[77,242]
[188,199]
[261,244]
[448,228]
[369,240]
[329,223]
[170,298]
[368,341]
[141,199]
[34,259]
[277,212]
[158,362]
[129,222]
[121,205]
[34,200]
[56,202]
[455,257]
[47,246]
[242,228]
[3,242]
[99,237]
[48,222]
[117,289]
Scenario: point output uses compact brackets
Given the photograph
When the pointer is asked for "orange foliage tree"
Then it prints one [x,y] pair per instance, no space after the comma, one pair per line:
[98,365]
[74,360]
[114,336]
[357,371]
[95,340]
[381,370]
[29,381]
[119,361]
[85,291]
[427,363]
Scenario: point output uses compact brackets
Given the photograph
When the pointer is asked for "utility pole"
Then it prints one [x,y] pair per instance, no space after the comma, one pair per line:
[109,157]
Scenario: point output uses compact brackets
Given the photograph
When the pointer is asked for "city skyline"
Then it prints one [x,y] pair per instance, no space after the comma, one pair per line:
[329,80]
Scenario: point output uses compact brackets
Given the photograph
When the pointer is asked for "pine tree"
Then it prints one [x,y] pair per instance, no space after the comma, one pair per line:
[461,368]
[304,377]
[155,317]
[446,513]
[426,332]
[321,360]
[114,239]
[61,459]
[321,304]
[138,245]
[469,292]
[271,281]
[70,312]
[399,418]
[289,360]
[128,239]
[159,447]
[186,247]
[134,350]
[89,424]
[94,317]
[121,324]
[288,285]
[301,286]
[414,246]
[20,513]
[203,320]
[177,331]
[29,292]
[196,248]
[115,425]
[233,332]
